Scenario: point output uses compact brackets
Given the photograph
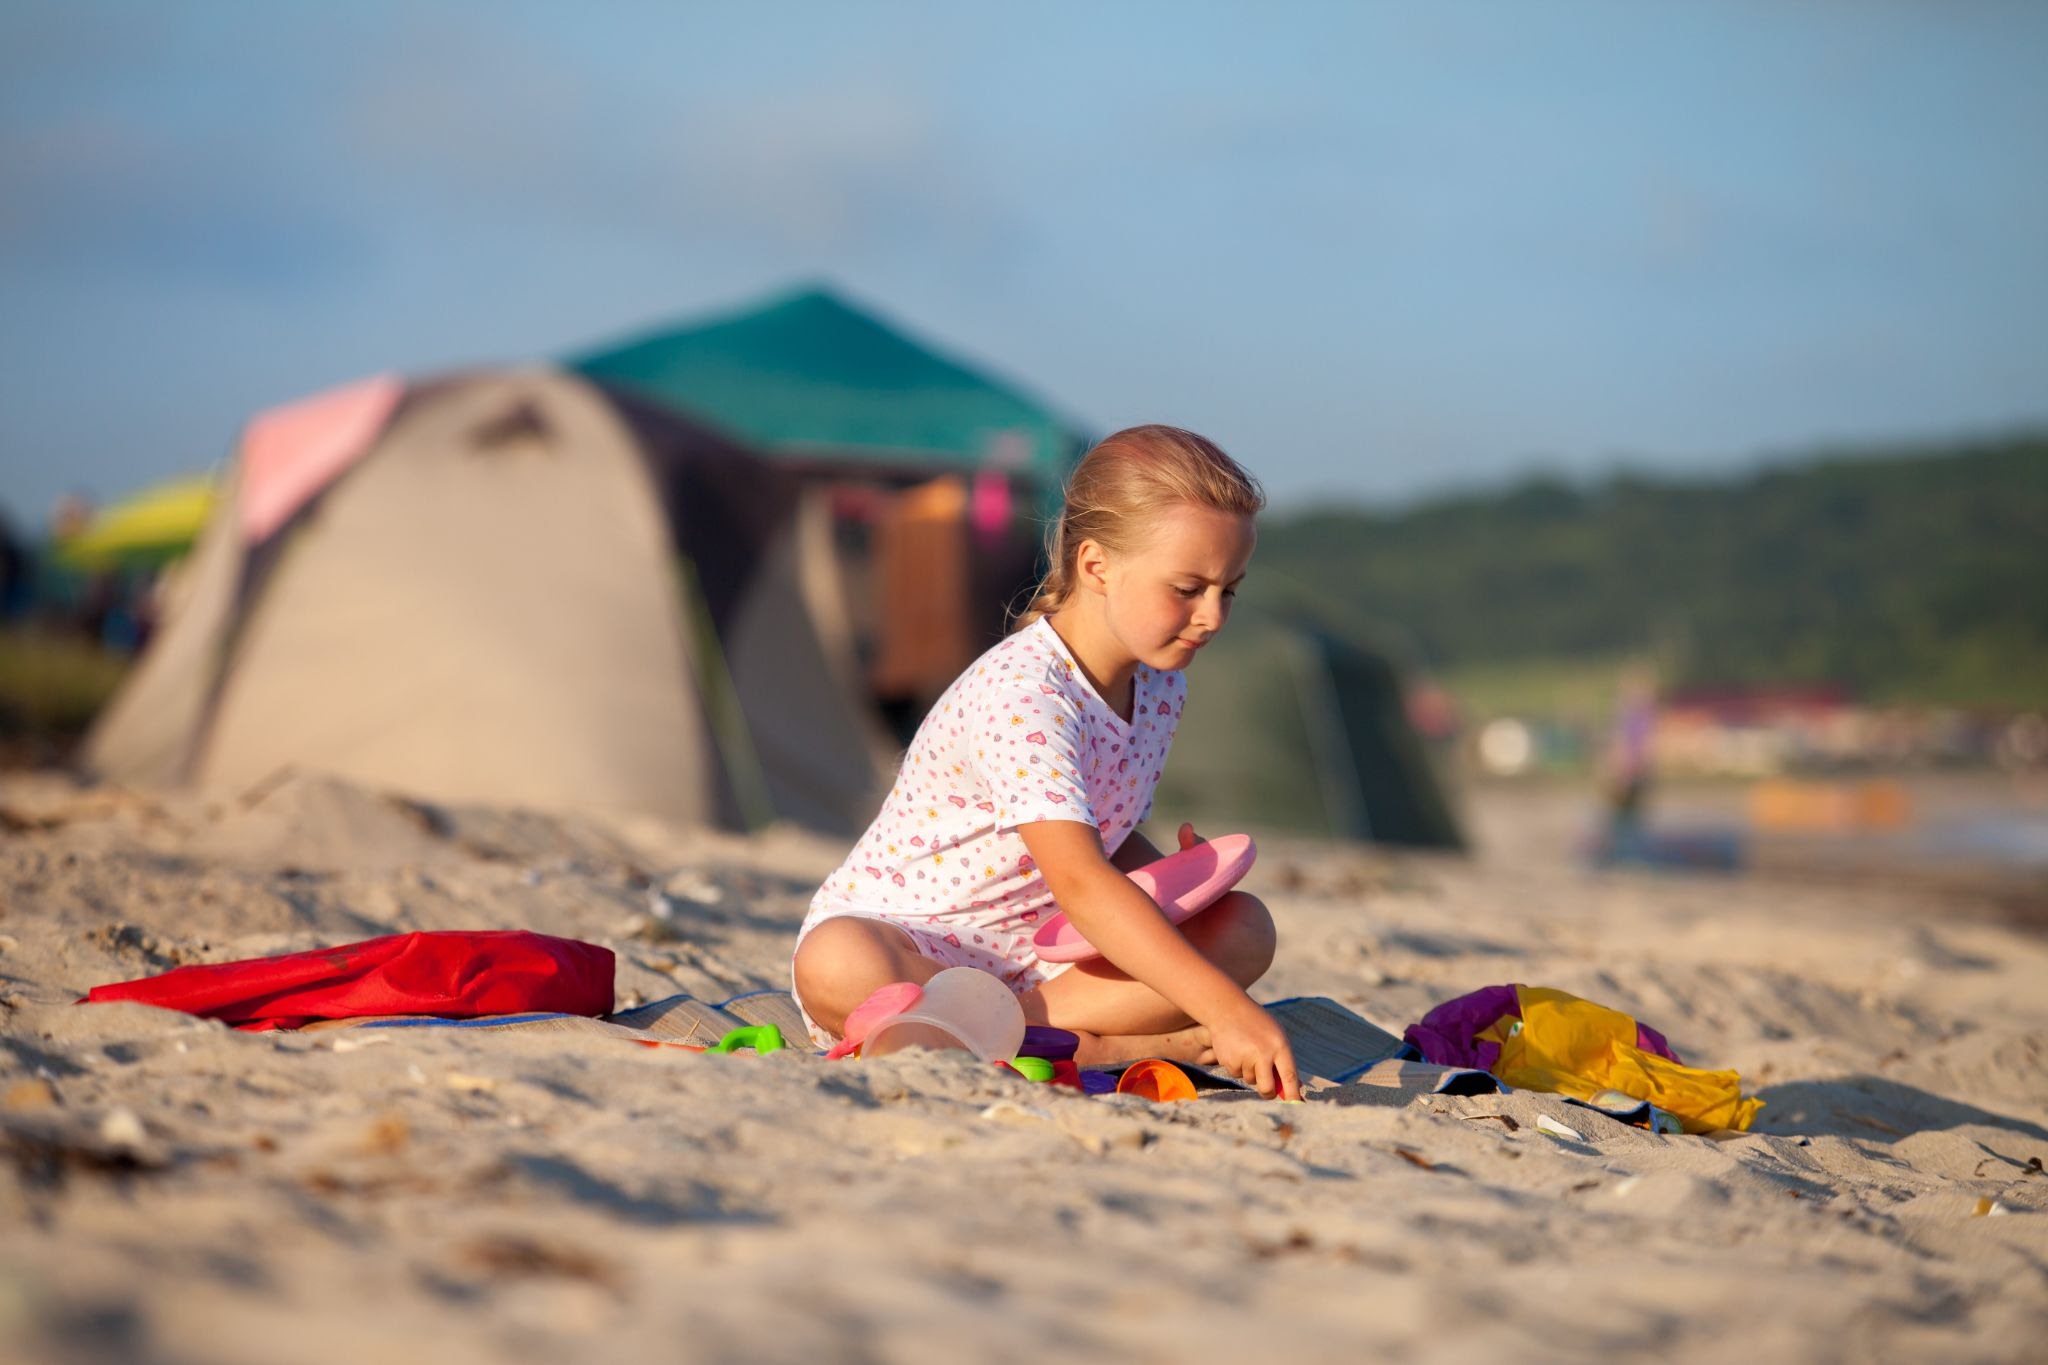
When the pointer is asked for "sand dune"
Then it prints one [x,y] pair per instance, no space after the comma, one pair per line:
[181,1192]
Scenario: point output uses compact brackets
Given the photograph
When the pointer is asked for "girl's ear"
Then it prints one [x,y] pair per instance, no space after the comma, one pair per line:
[1091,565]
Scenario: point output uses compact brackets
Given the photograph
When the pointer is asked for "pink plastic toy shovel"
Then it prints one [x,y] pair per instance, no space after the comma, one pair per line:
[886,1003]
[1183,884]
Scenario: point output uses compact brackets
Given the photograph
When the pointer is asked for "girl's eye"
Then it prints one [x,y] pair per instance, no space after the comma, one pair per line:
[1230,592]
[1188,592]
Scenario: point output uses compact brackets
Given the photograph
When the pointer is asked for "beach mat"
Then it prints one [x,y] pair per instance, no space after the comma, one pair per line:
[1341,1057]
[1339,1054]
[1331,1043]
[1395,1082]
[504,1023]
[684,1018]
[672,1019]
[1337,1050]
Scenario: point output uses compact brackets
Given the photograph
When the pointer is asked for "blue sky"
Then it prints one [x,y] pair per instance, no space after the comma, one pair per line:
[1376,251]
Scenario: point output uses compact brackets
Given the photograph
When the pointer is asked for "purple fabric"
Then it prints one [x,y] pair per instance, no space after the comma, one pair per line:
[1099,1082]
[1445,1037]
[1649,1040]
[1447,1034]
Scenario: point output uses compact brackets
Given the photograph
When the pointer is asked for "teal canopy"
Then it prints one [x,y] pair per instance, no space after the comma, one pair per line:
[810,376]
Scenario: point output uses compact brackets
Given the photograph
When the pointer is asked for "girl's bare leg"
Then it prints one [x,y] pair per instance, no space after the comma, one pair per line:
[848,958]
[1119,1018]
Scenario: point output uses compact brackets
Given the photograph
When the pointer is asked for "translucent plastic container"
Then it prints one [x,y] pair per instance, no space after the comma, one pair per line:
[963,1008]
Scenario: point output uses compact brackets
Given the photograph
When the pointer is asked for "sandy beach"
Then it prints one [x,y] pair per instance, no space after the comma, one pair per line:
[181,1192]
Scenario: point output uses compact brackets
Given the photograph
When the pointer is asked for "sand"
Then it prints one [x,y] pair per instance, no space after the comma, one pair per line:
[181,1192]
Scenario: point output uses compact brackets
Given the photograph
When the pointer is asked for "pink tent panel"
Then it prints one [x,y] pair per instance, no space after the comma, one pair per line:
[291,452]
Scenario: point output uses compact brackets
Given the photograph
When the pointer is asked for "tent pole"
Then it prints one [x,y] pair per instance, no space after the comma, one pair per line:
[721,702]
[1325,716]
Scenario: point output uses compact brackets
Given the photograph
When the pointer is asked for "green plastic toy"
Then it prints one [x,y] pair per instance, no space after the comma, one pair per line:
[1032,1068]
[763,1038]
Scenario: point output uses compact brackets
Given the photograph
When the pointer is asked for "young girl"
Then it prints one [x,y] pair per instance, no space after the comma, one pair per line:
[1024,786]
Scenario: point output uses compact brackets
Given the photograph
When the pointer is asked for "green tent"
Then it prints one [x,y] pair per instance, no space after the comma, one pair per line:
[818,381]
[1293,726]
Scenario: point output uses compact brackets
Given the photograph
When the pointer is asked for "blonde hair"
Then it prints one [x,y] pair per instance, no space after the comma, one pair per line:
[1117,491]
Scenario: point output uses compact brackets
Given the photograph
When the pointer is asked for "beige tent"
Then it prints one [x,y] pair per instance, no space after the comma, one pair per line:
[507,587]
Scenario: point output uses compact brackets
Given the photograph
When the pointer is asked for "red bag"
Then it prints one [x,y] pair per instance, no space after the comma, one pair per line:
[456,974]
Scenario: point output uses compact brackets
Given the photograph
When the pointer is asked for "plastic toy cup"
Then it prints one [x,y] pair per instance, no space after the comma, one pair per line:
[893,998]
[1153,1079]
[962,1008]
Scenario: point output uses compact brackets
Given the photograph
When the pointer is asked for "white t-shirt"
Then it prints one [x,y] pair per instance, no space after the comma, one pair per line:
[1019,737]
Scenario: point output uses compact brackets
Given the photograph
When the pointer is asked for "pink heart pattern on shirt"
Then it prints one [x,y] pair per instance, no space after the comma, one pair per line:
[1020,737]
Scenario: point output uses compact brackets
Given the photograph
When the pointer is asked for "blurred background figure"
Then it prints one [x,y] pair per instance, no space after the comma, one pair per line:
[1627,765]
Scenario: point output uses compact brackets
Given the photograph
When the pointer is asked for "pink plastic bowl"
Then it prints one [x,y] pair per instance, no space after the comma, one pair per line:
[1183,884]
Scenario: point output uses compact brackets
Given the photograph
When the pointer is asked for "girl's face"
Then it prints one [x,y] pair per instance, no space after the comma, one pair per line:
[1166,599]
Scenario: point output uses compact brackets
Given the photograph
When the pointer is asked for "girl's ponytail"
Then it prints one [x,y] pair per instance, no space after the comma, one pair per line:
[1117,491]
[1052,590]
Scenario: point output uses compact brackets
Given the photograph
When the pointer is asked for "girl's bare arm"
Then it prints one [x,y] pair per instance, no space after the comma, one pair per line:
[1120,920]
[1110,911]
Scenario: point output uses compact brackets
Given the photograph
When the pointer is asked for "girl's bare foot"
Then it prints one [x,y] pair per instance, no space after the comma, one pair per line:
[1183,1045]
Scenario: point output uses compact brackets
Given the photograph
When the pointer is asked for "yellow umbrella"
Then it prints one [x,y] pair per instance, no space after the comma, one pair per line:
[155,526]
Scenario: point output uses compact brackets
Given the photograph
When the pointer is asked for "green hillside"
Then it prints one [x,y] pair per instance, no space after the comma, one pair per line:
[1910,576]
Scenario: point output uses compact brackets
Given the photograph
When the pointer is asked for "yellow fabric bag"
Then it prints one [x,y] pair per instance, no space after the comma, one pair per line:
[1577,1048]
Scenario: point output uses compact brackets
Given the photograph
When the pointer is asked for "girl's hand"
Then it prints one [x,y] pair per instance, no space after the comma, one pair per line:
[1251,1046]
[1188,837]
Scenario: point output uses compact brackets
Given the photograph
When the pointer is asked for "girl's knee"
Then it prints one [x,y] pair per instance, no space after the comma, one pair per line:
[842,961]
[1245,936]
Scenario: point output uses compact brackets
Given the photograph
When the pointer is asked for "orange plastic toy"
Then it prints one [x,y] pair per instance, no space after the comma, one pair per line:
[1154,1079]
